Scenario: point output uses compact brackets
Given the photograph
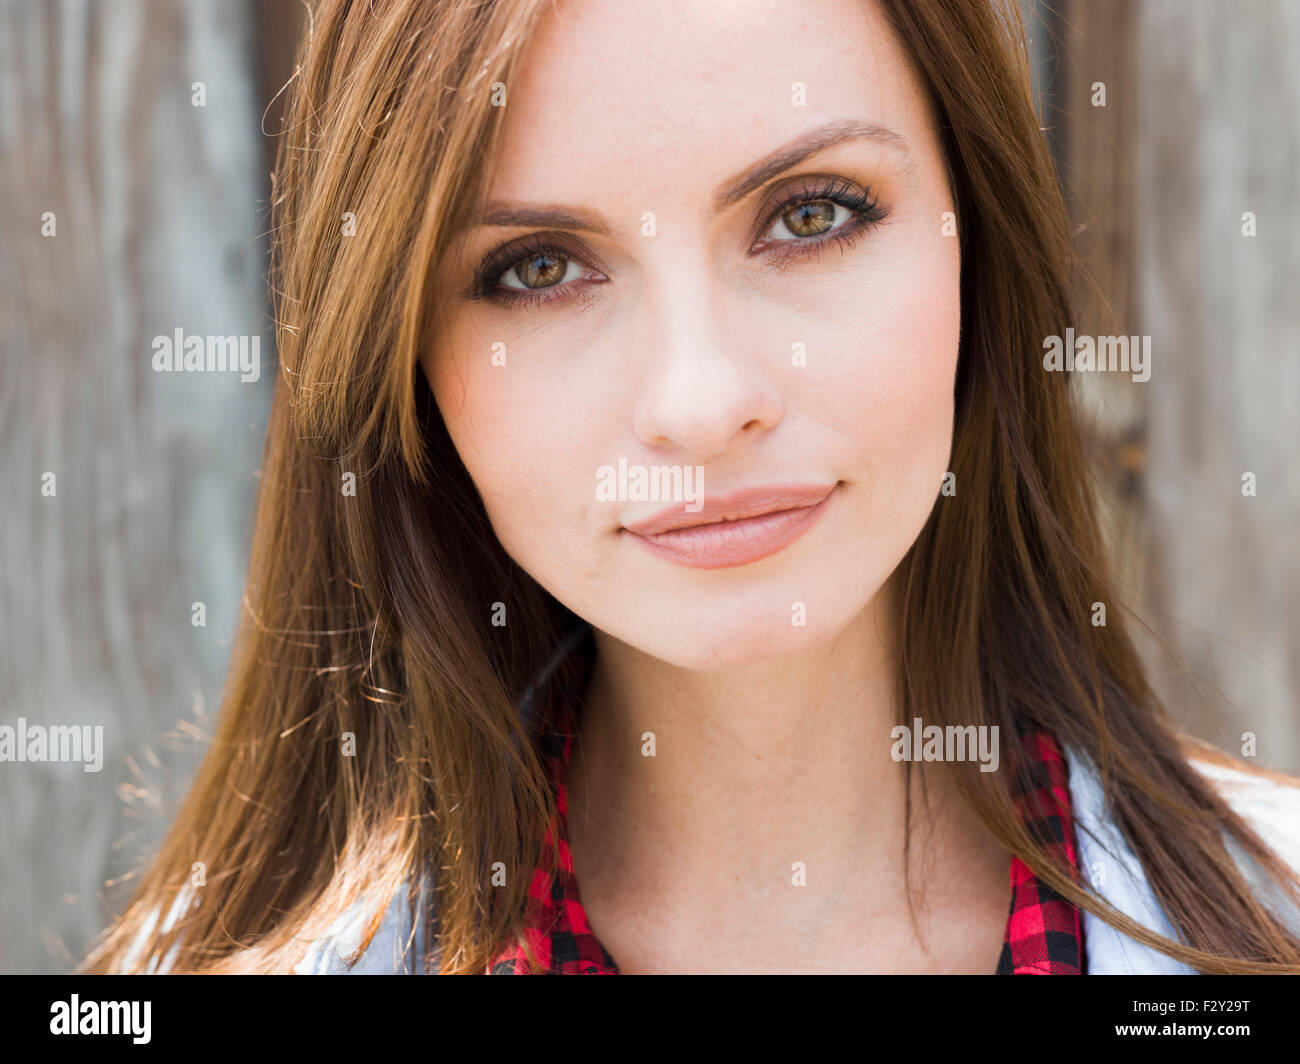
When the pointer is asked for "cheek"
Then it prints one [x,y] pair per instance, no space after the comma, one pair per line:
[889,388]
[907,392]
[522,437]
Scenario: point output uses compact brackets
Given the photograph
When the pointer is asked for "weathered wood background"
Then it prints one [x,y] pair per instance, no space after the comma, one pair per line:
[1201,125]
[160,211]
[159,208]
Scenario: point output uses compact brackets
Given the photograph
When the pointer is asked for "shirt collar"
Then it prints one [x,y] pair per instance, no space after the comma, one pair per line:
[1116,874]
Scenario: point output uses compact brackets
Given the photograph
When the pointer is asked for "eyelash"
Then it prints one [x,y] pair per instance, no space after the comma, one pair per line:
[866,214]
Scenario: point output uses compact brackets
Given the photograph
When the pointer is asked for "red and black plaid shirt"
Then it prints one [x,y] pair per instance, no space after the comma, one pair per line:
[1044,935]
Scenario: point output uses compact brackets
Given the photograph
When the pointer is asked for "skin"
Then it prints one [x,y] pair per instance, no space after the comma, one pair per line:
[772,738]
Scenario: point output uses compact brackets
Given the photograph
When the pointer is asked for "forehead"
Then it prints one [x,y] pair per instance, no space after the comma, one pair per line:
[655,97]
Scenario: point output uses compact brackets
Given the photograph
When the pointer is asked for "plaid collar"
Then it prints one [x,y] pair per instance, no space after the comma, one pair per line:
[1044,934]
[555,923]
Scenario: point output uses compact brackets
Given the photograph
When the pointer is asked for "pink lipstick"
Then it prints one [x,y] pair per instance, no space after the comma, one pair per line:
[736,528]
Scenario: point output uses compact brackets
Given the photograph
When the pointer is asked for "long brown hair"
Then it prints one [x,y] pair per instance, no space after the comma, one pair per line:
[370,730]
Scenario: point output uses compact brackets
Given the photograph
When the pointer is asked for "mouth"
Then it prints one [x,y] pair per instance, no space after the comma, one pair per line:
[734,529]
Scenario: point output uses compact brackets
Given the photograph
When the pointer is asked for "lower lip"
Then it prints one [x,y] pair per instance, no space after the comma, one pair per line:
[728,543]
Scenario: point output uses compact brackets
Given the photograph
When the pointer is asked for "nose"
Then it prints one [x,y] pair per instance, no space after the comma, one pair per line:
[705,377]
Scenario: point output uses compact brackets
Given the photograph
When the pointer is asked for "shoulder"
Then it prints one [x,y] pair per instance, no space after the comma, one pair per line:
[1269,802]
[151,929]
[397,947]
[1257,793]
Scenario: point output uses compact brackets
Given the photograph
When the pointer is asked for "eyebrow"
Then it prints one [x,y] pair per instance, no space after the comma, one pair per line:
[736,188]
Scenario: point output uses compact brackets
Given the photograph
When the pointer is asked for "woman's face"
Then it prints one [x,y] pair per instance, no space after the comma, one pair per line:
[745,272]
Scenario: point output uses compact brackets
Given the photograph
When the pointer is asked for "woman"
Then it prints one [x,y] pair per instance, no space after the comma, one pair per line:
[665,493]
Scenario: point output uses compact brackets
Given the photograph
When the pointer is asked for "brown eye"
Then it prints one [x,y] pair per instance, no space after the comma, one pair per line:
[823,211]
[540,271]
[810,218]
[533,271]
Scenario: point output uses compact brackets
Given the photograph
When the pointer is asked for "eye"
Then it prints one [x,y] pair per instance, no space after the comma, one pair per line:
[811,218]
[540,271]
[535,269]
[819,211]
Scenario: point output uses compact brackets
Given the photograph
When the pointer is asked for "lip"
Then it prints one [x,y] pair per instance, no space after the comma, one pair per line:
[734,528]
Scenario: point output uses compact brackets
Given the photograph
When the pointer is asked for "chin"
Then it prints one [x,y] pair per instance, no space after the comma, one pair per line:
[719,633]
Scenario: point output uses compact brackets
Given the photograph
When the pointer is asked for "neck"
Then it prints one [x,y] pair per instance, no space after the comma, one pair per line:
[757,772]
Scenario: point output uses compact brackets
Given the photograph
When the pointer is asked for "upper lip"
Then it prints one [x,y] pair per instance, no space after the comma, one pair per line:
[733,506]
